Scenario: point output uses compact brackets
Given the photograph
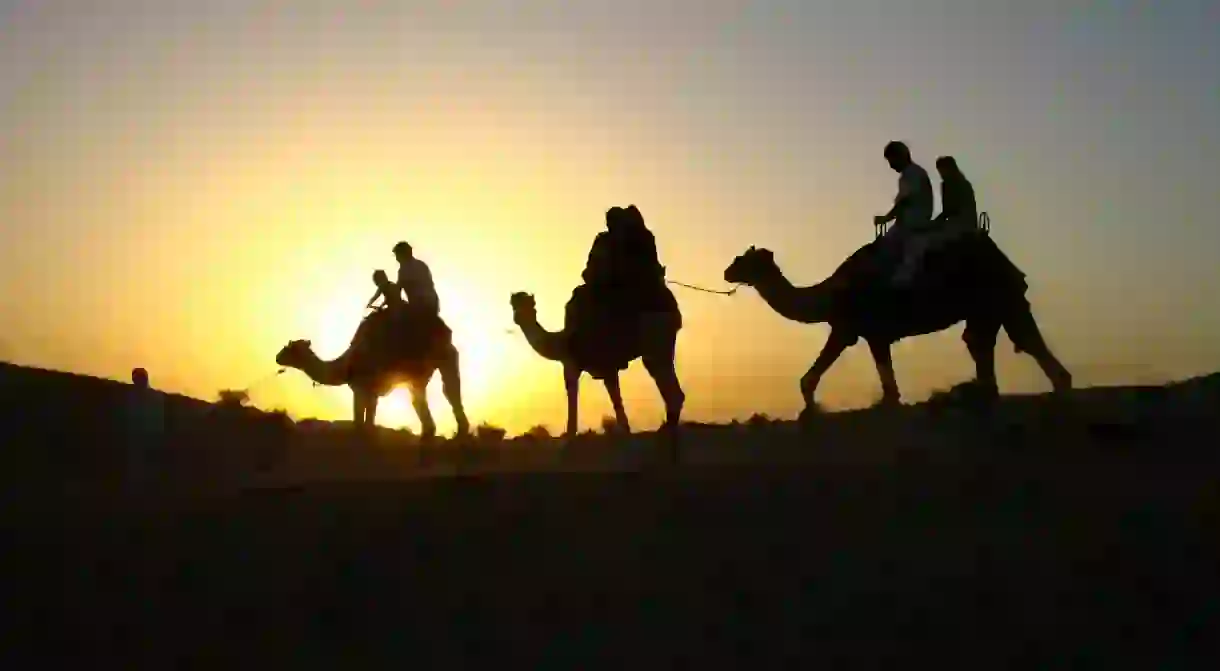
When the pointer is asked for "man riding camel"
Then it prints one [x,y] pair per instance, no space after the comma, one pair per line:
[623,272]
[959,215]
[912,210]
[417,319]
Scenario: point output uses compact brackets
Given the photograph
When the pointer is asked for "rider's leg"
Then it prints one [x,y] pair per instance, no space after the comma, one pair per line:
[913,254]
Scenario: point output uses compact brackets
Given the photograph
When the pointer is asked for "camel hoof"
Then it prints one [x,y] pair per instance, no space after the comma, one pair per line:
[890,402]
[978,396]
[1062,383]
[671,440]
[809,415]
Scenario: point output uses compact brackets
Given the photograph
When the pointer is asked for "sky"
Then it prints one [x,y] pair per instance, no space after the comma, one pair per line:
[187,185]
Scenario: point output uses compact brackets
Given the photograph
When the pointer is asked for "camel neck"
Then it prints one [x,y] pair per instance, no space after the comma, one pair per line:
[329,373]
[807,305]
[548,345]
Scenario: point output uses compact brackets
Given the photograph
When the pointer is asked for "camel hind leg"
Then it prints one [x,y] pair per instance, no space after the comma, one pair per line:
[451,386]
[1023,330]
[419,401]
[660,349]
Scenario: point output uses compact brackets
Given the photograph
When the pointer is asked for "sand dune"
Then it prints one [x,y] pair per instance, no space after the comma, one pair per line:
[1081,531]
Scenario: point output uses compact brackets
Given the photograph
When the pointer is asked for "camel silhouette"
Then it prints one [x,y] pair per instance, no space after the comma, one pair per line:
[372,370]
[967,280]
[592,342]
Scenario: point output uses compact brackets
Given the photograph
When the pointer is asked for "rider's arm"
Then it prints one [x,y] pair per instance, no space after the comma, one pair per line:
[905,187]
[948,203]
[374,298]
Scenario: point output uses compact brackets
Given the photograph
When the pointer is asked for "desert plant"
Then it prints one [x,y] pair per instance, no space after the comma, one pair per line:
[490,433]
[759,419]
[609,424]
[538,432]
[232,398]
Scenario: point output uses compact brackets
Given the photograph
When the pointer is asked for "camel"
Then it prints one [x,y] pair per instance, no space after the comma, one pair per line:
[363,370]
[967,280]
[604,350]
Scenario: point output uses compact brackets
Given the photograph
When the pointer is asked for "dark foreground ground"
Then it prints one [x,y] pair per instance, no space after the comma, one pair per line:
[1098,549]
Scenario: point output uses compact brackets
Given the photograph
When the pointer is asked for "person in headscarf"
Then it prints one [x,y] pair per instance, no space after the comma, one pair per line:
[959,215]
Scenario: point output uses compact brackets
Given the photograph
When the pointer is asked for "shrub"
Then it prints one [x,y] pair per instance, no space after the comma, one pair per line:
[538,432]
[489,433]
[759,419]
[609,424]
[232,398]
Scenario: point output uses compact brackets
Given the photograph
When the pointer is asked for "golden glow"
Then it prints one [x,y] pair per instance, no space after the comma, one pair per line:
[189,191]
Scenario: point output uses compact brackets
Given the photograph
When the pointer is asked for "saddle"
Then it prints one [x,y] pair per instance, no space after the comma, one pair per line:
[960,263]
[408,333]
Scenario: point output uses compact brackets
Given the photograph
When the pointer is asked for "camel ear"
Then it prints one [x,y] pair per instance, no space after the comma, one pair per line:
[308,343]
[750,249]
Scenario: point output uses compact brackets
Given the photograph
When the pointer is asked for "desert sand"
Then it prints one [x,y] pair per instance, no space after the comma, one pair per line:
[1073,531]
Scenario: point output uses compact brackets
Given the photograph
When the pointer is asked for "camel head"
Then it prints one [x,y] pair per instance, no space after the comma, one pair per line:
[524,308]
[753,266]
[295,354]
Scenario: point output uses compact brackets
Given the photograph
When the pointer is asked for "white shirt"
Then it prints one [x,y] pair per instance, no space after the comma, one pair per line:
[916,187]
[415,280]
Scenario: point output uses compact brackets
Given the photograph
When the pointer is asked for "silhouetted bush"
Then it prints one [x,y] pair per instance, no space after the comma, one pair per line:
[538,432]
[759,419]
[609,424]
[489,433]
[232,398]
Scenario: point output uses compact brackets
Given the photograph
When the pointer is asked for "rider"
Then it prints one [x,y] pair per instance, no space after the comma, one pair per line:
[623,261]
[622,277]
[912,210]
[415,280]
[959,214]
[386,290]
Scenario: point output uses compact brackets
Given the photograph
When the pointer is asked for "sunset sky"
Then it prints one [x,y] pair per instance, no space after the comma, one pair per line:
[186,185]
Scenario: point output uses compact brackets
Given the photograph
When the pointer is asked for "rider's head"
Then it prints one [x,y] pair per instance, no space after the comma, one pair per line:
[380,278]
[947,167]
[403,252]
[632,216]
[139,377]
[614,218]
[898,155]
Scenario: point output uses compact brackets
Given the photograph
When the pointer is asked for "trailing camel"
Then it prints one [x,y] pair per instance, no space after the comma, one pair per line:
[968,280]
[378,360]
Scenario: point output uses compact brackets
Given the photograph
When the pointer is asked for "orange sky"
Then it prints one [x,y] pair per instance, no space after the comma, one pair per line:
[188,187]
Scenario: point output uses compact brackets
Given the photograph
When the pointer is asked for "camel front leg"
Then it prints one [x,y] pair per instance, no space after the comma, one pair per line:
[835,344]
[885,370]
[616,399]
[370,410]
[360,404]
[419,401]
[571,386]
